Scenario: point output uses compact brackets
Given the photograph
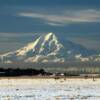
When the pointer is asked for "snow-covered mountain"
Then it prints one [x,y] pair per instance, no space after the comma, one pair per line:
[48,48]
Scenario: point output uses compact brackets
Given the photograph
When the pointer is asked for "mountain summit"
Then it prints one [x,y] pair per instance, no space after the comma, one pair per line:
[49,48]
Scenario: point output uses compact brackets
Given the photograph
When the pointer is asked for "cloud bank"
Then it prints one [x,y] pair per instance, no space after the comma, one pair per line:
[67,17]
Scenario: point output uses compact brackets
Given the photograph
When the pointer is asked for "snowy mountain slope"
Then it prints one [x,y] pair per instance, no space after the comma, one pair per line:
[48,48]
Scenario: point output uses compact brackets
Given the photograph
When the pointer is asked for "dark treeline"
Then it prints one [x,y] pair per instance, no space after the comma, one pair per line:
[68,68]
[70,71]
[22,72]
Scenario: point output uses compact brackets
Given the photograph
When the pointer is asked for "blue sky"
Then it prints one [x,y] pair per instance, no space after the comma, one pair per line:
[77,20]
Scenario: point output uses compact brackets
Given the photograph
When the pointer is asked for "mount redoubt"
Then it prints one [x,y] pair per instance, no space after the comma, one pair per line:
[49,48]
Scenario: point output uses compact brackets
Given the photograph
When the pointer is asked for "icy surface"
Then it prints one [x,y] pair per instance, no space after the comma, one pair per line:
[49,89]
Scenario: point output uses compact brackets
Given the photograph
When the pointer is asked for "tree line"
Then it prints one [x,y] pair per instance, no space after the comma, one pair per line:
[21,72]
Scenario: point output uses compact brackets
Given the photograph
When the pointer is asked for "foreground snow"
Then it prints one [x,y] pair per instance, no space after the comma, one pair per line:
[49,89]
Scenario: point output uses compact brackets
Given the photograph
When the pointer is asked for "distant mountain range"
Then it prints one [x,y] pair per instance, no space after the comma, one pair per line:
[50,48]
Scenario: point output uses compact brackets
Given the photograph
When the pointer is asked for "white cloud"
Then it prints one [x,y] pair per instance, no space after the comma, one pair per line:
[67,17]
[54,24]
[89,15]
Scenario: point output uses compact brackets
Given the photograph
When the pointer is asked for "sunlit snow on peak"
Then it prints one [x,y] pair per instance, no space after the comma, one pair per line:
[48,36]
[30,46]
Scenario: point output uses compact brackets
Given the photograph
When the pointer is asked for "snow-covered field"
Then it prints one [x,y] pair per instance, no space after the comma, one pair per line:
[49,89]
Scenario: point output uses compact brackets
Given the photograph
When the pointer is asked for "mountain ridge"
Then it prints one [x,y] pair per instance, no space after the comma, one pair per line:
[48,48]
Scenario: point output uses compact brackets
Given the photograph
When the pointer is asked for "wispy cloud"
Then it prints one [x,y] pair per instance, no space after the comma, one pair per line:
[55,24]
[67,17]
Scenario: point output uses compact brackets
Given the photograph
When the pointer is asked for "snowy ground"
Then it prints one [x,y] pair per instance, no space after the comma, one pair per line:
[49,89]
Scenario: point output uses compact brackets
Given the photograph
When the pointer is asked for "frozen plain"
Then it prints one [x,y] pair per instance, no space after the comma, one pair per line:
[49,89]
